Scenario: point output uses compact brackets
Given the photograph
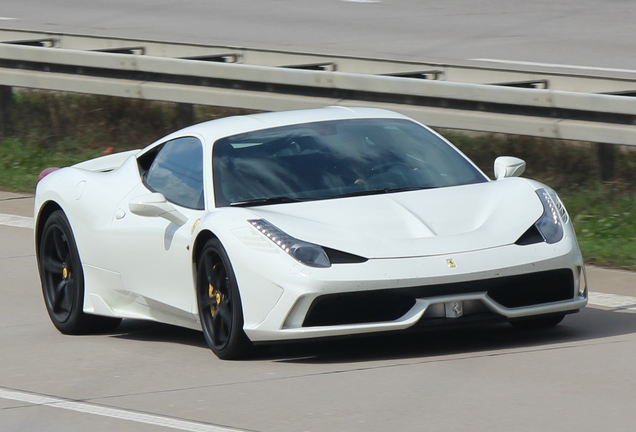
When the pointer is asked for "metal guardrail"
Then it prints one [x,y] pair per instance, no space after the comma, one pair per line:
[524,103]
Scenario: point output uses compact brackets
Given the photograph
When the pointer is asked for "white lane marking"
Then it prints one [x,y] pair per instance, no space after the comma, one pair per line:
[362,1]
[7,19]
[612,301]
[16,221]
[120,414]
[554,65]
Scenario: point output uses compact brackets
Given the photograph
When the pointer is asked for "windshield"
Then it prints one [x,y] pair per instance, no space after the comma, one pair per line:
[333,159]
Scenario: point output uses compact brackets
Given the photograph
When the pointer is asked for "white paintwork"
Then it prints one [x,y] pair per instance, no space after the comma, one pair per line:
[417,223]
[106,163]
[139,263]
[509,166]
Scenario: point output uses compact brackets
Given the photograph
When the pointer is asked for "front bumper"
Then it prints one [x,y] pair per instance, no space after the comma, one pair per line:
[397,294]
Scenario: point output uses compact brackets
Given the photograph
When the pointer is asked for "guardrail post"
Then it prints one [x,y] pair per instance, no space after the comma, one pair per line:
[606,154]
[6,104]
[185,115]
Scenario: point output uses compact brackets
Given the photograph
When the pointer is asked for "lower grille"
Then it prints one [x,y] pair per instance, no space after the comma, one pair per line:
[391,304]
[358,308]
[533,289]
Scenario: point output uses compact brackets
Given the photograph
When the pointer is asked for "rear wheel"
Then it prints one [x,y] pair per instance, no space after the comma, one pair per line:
[538,322]
[63,280]
[220,307]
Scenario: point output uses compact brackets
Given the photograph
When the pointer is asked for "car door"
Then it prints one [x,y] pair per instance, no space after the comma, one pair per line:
[153,254]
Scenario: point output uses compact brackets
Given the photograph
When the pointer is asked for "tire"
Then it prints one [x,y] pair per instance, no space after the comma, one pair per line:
[542,322]
[220,309]
[62,280]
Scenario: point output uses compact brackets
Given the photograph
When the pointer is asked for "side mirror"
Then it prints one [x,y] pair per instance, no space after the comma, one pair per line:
[156,205]
[508,166]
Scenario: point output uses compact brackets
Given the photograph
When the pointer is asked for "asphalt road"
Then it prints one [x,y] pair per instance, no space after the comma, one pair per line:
[564,32]
[152,377]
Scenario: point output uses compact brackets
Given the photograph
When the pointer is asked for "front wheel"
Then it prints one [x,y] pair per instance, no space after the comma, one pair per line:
[219,301]
[63,280]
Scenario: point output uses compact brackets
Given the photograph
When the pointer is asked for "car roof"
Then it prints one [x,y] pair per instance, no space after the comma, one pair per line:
[215,129]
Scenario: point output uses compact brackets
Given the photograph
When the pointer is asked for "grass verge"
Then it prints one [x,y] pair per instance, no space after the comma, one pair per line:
[57,129]
[605,221]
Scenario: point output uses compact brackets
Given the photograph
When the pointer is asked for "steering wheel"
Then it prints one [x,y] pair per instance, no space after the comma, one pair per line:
[288,146]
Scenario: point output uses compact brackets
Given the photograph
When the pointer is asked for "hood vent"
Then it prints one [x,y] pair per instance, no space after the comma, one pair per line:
[532,236]
[339,257]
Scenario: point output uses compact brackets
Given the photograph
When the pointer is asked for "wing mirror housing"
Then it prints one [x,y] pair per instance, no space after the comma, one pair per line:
[156,205]
[509,166]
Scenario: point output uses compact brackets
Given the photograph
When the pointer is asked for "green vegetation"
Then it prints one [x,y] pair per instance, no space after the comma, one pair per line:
[605,221]
[58,129]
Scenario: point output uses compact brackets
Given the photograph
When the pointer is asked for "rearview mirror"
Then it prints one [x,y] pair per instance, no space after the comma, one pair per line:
[509,166]
[156,205]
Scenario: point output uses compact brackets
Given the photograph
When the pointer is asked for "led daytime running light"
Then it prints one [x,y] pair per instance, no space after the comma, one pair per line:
[307,253]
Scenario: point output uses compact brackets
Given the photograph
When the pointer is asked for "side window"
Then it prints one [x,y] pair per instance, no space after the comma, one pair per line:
[177,172]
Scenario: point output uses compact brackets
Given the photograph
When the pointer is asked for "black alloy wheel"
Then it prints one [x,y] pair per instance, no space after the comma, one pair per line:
[220,307]
[63,280]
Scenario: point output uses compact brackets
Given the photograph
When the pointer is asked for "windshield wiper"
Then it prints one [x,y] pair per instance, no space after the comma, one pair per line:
[266,201]
[286,199]
[381,191]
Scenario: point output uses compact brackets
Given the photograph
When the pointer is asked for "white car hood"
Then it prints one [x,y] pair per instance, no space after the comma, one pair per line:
[417,223]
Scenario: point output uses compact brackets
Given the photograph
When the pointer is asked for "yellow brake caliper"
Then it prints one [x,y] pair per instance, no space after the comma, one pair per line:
[214,294]
[217,296]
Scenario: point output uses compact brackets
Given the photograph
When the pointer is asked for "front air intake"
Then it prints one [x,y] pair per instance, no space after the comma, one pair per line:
[391,304]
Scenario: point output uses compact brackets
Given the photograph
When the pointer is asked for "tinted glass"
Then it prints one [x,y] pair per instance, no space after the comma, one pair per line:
[337,158]
[177,172]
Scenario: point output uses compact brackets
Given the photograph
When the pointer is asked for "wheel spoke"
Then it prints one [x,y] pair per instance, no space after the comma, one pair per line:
[61,246]
[221,323]
[208,301]
[225,314]
[59,295]
[52,265]
[217,333]
[219,281]
[67,303]
[209,270]
[68,260]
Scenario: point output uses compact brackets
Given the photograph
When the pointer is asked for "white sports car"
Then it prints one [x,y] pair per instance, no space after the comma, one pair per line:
[302,224]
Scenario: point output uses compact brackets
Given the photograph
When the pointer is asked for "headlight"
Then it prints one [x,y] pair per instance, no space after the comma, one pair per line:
[307,253]
[550,224]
